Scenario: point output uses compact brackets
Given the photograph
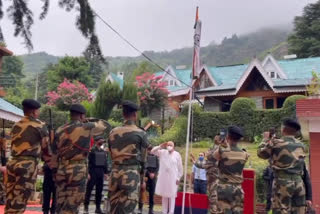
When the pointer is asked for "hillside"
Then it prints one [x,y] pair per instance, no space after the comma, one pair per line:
[233,50]
[34,63]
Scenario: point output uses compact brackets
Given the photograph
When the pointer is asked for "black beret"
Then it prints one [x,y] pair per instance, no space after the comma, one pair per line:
[291,123]
[129,105]
[78,108]
[31,104]
[235,130]
[97,138]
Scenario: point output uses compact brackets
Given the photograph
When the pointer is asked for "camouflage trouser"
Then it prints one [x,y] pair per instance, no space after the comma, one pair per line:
[230,198]
[71,181]
[288,196]
[22,175]
[124,189]
[212,193]
[2,189]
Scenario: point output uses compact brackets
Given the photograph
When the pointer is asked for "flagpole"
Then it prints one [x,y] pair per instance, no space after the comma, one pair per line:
[194,70]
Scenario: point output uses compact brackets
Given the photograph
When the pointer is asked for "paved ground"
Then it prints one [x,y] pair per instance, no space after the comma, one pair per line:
[36,209]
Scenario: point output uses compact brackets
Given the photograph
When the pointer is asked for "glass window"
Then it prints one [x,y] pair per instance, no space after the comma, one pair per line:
[171,82]
[280,101]
[269,103]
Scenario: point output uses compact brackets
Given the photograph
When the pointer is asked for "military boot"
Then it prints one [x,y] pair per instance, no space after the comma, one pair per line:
[98,210]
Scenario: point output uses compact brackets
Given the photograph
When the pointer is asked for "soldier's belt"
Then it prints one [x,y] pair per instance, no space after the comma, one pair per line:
[25,158]
[63,161]
[287,175]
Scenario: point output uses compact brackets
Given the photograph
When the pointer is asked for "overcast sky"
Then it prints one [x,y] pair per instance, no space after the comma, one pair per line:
[152,24]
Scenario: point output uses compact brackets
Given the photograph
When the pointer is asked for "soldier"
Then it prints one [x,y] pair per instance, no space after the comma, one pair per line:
[287,156]
[211,167]
[231,163]
[29,137]
[49,191]
[98,170]
[72,145]
[3,164]
[128,148]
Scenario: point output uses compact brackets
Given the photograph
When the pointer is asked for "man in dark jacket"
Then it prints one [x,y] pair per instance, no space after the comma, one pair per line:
[98,168]
[151,174]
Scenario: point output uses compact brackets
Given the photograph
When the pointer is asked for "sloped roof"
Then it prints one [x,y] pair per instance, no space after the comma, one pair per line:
[182,74]
[9,111]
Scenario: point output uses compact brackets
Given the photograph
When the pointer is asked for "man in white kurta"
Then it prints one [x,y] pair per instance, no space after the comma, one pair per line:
[170,173]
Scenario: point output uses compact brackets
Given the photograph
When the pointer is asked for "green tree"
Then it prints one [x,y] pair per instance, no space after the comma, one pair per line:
[143,67]
[22,19]
[71,68]
[108,95]
[16,94]
[11,71]
[305,41]
[129,92]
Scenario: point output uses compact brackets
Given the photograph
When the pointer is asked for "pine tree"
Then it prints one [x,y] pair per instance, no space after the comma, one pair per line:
[108,95]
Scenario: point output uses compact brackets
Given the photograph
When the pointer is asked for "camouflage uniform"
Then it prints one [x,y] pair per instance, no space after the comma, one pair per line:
[29,138]
[211,167]
[72,142]
[3,160]
[231,163]
[287,155]
[128,148]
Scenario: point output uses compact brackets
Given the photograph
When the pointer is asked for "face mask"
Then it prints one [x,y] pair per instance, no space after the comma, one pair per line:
[201,158]
[169,148]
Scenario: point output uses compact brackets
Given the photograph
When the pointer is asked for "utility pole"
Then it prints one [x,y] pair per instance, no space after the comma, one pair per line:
[36,90]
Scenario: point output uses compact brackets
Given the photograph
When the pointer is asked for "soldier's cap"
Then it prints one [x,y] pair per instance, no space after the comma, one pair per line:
[235,130]
[78,108]
[30,104]
[291,123]
[127,104]
[97,138]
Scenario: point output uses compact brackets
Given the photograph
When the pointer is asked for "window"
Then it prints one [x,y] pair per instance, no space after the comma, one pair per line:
[268,103]
[280,101]
[272,75]
[171,82]
[226,105]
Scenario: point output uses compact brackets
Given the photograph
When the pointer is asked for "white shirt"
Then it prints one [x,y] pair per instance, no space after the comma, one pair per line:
[170,171]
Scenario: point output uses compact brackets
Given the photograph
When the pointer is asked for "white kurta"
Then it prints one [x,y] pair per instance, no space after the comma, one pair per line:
[170,171]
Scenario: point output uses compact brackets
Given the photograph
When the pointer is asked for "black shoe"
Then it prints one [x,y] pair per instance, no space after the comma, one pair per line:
[151,211]
[139,211]
[99,211]
[45,212]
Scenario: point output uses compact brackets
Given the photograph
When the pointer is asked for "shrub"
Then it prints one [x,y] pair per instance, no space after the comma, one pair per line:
[114,124]
[59,118]
[196,108]
[289,105]
[116,115]
[177,133]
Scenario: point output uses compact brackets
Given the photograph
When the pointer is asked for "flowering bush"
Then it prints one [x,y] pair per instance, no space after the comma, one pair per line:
[152,93]
[68,93]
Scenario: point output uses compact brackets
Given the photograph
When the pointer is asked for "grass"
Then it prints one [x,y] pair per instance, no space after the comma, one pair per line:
[254,161]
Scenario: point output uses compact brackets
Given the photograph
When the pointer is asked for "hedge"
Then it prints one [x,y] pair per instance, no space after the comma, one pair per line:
[59,118]
[243,113]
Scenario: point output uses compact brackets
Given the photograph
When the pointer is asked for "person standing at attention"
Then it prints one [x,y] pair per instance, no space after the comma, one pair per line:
[128,146]
[169,176]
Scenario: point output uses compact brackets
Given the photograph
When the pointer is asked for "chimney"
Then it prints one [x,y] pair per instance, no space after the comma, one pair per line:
[292,56]
[178,67]
[120,74]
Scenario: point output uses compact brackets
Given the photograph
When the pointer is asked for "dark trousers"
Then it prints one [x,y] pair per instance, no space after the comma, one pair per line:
[49,190]
[200,186]
[96,179]
[151,188]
